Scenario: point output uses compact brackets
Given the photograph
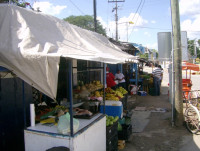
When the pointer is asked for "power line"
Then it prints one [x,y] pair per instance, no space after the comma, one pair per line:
[151,27]
[140,11]
[137,10]
[77,7]
[138,17]
[192,31]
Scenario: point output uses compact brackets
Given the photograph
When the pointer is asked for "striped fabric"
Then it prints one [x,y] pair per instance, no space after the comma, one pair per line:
[158,73]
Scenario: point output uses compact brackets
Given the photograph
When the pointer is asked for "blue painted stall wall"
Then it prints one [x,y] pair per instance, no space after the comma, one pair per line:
[12,113]
[114,67]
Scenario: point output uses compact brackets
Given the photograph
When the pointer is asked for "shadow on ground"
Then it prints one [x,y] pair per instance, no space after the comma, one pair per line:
[158,134]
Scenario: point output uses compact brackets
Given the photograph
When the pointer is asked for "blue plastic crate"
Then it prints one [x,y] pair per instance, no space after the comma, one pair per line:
[112,110]
[142,93]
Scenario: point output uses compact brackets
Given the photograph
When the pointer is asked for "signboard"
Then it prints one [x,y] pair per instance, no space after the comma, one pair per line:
[164,46]
[184,46]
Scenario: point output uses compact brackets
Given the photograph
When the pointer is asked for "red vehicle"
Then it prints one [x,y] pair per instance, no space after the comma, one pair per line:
[187,83]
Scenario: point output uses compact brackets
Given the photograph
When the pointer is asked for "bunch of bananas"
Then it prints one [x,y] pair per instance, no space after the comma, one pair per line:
[111,97]
[122,90]
[119,94]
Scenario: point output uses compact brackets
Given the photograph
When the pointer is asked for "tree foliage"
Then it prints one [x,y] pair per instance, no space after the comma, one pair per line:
[86,22]
[20,3]
[144,56]
[154,50]
[191,47]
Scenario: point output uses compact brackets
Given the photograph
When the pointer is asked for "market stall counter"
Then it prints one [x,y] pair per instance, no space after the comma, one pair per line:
[47,137]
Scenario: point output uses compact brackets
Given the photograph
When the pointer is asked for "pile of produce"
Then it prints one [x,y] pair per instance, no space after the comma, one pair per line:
[41,111]
[110,96]
[113,95]
[93,86]
[83,90]
[122,90]
[96,94]
[145,76]
[111,119]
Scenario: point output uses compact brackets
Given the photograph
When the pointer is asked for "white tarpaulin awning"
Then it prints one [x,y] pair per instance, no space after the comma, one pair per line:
[31,44]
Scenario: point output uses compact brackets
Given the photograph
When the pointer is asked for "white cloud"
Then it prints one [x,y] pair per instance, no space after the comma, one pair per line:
[191,26]
[103,23]
[147,34]
[153,21]
[152,46]
[49,8]
[191,10]
[123,26]
[189,7]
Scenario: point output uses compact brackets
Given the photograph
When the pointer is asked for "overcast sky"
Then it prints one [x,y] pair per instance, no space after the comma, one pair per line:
[149,17]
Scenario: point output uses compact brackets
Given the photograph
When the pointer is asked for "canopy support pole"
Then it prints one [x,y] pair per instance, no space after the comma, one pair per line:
[70,96]
[24,103]
[104,85]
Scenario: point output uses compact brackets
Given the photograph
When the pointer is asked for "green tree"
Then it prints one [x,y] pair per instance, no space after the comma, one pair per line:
[86,22]
[191,47]
[198,49]
[20,3]
[154,50]
[144,56]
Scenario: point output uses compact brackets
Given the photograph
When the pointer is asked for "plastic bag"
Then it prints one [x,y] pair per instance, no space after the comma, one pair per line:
[64,124]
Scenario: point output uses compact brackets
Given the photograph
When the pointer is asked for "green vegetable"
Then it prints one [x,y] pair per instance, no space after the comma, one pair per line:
[119,128]
[111,118]
[111,122]
[107,123]
[116,118]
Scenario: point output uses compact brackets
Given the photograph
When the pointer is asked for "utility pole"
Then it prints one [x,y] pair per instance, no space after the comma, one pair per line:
[116,20]
[195,51]
[177,62]
[95,15]
[127,31]
[116,15]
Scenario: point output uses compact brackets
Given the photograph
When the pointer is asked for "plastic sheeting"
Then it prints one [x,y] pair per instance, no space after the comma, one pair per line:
[31,44]
[139,47]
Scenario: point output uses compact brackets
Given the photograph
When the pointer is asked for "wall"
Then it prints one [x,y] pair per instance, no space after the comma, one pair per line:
[13,120]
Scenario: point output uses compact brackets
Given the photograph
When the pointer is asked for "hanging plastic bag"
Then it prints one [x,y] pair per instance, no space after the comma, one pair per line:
[64,124]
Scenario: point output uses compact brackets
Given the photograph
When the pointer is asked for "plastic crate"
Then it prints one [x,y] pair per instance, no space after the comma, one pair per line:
[142,93]
[111,130]
[125,133]
[112,143]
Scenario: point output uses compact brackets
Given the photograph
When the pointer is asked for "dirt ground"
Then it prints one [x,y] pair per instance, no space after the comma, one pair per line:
[159,135]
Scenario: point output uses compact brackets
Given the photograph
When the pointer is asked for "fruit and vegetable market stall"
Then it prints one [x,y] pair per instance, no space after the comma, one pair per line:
[31,46]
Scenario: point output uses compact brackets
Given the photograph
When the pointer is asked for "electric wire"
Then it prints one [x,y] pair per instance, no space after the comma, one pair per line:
[77,7]
[152,28]
[140,11]
[137,19]
[137,10]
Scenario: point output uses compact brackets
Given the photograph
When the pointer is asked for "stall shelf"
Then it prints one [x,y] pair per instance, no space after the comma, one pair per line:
[85,139]
[37,60]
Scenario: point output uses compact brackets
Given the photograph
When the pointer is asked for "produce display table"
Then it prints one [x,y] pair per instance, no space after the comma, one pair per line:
[42,137]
